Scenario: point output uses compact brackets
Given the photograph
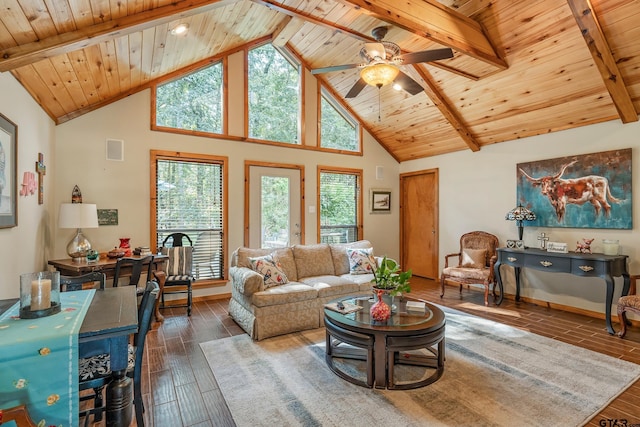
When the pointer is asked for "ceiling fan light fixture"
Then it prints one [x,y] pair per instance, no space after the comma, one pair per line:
[379,74]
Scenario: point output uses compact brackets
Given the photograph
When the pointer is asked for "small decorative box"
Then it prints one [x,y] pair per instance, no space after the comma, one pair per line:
[557,247]
[415,306]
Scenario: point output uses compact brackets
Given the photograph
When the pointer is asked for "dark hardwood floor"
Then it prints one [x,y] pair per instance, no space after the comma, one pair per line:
[180,390]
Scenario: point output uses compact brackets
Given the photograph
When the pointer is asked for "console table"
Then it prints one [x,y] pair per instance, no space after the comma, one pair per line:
[586,265]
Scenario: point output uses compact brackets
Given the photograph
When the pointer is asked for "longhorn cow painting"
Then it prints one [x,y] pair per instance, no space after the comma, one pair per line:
[585,191]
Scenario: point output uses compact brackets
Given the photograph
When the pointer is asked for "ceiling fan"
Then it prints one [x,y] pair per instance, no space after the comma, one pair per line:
[382,62]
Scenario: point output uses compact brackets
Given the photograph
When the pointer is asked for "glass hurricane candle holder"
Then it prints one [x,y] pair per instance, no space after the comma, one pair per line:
[39,294]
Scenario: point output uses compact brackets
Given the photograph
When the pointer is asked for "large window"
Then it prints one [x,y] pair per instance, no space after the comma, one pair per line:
[189,198]
[337,129]
[340,202]
[192,102]
[274,95]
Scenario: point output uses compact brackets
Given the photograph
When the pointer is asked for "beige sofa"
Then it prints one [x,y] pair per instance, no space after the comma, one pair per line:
[316,274]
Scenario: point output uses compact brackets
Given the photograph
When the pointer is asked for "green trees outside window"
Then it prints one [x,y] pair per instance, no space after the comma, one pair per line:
[337,129]
[190,200]
[339,206]
[192,102]
[274,95]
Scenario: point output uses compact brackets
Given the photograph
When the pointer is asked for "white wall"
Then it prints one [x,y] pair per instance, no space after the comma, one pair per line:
[24,249]
[80,149]
[478,189]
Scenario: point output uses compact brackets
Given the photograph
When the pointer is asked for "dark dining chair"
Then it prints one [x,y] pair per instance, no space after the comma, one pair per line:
[95,372]
[75,283]
[137,266]
[178,268]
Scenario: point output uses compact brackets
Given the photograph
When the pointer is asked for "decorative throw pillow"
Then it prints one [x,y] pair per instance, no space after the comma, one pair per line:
[361,261]
[474,258]
[272,271]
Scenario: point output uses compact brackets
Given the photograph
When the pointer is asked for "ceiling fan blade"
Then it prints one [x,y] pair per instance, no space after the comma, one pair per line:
[334,68]
[375,50]
[426,56]
[356,89]
[408,84]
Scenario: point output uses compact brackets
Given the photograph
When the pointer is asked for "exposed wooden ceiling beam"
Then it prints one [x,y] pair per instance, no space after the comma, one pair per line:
[436,22]
[286,29]
[447,111]
[289,11]
[280,7]
[606,63]
[29,53]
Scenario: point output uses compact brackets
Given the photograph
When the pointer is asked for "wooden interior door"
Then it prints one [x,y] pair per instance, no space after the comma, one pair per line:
[419,223]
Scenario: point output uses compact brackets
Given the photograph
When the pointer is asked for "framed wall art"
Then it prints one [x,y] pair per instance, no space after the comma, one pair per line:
[582,191]
[107,216]
[380,200]
[8,173]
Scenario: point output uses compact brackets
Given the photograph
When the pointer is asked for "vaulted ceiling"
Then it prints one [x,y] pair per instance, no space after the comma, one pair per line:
[520,67]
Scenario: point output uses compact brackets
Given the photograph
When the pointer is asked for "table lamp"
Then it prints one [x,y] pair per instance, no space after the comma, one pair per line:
[519,214]
[78,216]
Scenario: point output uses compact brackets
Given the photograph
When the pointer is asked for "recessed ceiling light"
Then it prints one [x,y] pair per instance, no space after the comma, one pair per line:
[179,29]
[397,86]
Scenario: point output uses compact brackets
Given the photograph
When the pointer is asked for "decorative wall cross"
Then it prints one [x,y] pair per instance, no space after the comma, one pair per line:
[543,240]
[42,171]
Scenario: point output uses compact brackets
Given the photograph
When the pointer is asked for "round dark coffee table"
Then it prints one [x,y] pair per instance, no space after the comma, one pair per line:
[384,345]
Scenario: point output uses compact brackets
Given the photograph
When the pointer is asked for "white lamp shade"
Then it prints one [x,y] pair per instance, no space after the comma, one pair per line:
[78,215]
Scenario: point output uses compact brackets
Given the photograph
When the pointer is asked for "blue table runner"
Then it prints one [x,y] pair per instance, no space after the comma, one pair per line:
[39,361]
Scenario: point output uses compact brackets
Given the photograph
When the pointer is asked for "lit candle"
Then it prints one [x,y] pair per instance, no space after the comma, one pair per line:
[610,247]
[40,294]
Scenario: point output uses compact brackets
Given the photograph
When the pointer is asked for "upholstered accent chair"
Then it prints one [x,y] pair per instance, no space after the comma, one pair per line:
[475,262]
[627,303]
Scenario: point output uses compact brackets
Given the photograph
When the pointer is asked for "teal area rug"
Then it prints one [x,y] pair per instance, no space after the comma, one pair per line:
[495,375]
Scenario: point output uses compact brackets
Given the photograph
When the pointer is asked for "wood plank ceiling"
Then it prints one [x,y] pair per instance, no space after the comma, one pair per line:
[520,67]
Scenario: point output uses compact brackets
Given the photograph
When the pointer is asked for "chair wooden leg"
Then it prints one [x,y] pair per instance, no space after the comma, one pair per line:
[442,280]
[189,299]
[486,294]
[622,317]
[98,402]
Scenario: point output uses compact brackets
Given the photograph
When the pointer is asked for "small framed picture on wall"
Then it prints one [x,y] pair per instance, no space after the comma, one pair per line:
[380,200]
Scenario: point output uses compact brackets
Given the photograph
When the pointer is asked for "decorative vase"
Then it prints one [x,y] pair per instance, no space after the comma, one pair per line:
[386,297]
[125,246]
[380,311]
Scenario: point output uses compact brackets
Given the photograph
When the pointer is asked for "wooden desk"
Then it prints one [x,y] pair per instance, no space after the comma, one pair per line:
[68,267]
[586,265]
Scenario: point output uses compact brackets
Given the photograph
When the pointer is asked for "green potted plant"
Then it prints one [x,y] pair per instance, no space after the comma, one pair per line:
[389,278]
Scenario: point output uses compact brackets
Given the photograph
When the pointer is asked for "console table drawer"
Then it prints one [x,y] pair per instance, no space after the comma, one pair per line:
[514,260]
[581,267]
[543,262]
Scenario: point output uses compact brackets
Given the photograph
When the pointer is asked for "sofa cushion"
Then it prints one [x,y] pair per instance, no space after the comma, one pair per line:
[340,257]
[284,294]
[285,257]
[361,261]
[330,285]
[474,258]
[313,260]
[270,270]
[282,255]
[363,281]
[479,274]
[243,255]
